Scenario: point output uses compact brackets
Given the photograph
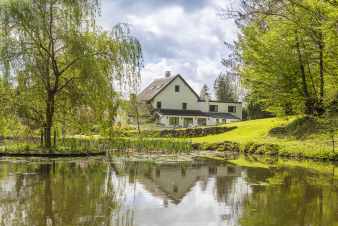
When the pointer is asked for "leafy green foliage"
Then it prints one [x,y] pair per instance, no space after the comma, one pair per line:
[204,94]
[287,54]
[225,89]
[63,66]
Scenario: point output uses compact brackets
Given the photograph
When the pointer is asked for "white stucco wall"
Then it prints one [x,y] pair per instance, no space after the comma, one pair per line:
[164,120]
[173,100]
[222,107]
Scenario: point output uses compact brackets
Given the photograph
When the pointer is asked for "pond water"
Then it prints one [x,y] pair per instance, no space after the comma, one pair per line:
[121,192]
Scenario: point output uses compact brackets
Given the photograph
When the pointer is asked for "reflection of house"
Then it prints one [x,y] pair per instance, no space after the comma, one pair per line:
[175,103]
[173,182]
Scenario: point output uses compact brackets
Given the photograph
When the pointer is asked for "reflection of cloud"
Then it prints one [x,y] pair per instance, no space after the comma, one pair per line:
[199,207]
[169,195]
[185,36]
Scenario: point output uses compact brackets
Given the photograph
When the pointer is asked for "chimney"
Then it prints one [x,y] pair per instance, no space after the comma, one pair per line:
[167,74]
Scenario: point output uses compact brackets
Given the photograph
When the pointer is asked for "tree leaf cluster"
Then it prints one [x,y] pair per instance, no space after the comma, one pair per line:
[287,54]
[62,67]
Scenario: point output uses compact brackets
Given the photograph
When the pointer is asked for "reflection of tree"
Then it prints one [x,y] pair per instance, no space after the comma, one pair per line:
[80,193]
[224,186]
[48,195]
[232,191]
[294,198]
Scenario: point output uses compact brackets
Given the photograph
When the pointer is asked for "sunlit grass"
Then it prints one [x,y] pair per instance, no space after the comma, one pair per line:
[317,145]
[246,131]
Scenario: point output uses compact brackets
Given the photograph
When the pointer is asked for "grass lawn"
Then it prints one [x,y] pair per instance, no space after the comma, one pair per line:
[246,131]
[310,143]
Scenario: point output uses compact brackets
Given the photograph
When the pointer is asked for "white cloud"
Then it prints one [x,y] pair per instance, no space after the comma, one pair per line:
[175,37]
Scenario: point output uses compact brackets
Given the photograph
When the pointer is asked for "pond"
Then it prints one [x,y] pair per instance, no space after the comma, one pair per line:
[124,192]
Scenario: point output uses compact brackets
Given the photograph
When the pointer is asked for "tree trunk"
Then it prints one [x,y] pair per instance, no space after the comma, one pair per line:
[55,137]
[41,137]
[49,120]
[308,101]
[137,119]
[320,108]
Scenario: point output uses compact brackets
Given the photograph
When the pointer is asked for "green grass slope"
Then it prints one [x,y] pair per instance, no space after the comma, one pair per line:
[304,136]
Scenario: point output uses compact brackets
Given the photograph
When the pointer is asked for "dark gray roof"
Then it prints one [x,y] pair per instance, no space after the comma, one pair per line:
[181,112]
[221,115]
[195,113]
[222,102]
[158,85]
[154,88]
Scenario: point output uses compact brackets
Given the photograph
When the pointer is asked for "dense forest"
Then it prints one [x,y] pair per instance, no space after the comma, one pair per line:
[286,55]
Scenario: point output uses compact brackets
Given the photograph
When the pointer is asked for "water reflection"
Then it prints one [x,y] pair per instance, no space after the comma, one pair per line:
[125,193]
[73,193]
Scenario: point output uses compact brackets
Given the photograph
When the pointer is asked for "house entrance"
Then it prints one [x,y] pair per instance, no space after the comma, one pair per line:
[187,122]
[202,121]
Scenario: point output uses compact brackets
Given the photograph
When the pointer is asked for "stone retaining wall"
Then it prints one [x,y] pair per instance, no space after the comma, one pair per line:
[261,149]
[194,132]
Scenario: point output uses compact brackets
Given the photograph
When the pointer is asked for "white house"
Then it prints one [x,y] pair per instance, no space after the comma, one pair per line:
[176,104]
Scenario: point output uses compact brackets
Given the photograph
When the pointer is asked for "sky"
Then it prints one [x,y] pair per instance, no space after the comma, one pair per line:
[182,36]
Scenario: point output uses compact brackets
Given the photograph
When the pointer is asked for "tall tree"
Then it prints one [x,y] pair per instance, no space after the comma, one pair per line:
[61,60]
[204,94]
[286,51]
[225,89]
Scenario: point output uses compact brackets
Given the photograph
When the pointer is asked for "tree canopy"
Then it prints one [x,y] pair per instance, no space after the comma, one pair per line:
[60,64]
[204,94]
[225,89]
[287,53]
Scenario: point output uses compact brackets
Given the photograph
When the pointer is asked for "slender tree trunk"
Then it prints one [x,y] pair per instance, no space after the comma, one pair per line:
[308,100]
[137,119]
[55,137]
[41,137]
[320,109]
[49,119]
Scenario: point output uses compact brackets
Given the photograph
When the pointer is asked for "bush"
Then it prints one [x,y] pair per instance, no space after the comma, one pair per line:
[268,149]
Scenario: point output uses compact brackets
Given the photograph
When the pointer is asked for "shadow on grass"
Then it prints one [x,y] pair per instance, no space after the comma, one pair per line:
[304,127]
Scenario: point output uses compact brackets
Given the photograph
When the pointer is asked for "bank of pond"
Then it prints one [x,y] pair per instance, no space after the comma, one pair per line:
[81,147]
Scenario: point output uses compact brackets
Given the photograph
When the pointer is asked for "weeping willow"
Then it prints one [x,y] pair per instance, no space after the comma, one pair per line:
[62,65]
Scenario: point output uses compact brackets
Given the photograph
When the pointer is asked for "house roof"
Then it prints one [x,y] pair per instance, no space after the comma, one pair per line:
[223,102]
[156,87]
[195,113]
[181,112]
[221,115]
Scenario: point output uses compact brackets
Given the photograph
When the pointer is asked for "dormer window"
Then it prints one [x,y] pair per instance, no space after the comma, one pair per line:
[213,108]
[184,106]
[177,88]
[159,105]
[232,109]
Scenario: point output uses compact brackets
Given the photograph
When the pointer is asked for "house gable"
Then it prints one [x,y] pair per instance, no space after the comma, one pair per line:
[171,98]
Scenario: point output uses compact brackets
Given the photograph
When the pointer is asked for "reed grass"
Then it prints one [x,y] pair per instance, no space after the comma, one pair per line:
[91,145]
[141,144]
